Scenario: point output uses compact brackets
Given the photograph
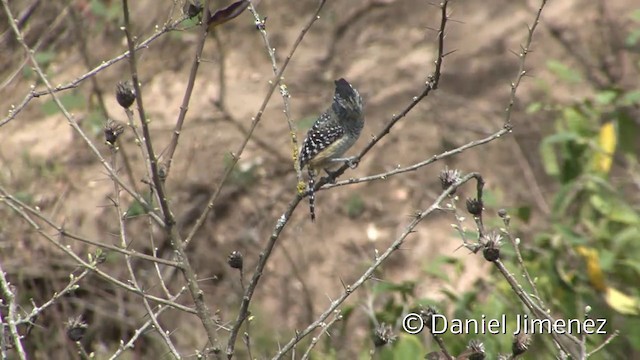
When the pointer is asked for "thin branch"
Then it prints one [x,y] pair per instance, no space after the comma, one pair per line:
[184,107]
[142,329]
[416,166]
[91,266]
[284,92]
[12,316]
[204,314]
[431,84]
[255,120]
[71,120]
[15,110]
[134,281]
[409,229]
[569,343]
[71,286]
[604,343]
[286,216]
[325,330]
[521,70]
[6,196]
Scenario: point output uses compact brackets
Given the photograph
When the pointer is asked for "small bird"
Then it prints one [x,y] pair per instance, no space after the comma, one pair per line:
[333,133]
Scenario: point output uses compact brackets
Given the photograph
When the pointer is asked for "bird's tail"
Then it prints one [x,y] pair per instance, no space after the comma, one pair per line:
[312,196]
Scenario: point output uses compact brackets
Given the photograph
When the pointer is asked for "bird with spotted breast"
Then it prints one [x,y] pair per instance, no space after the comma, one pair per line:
[332,134]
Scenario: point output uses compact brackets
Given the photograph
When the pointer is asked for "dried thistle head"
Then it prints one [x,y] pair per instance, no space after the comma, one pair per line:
[492,244]
[448,178]
[235,260]
[192,8]
[76,328]
[427,316]
[383,335]
[475,351]
[112,130]
[521,342]
[475,206]
[125,94]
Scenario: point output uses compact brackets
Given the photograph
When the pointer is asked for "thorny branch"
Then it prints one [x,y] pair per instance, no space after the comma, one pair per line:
[72,121]
[254,122]
[286,216]
[74,83]
[204,314]
[379,259]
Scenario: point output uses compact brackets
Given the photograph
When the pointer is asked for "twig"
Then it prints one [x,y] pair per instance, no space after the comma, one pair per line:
[6,196]
[261,25]
[521,71]
[416,166]
[325,327]
[91,266]
[37,310]
[286,216]
[184,107]
[569,343]
[349,289]
[142,329]
[12,317]
[204,314]
[132,274]
[74,83]
[604,343]
[71,120]
[431,84]
[255,120]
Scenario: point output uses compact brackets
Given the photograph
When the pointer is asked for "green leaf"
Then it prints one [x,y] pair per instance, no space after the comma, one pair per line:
[629,133]
[135,209]
[614,209]
[632,38]
[631,97]
[406,347]
[549,158]
[606,97]
[524,213]
[564,72]
[534,107]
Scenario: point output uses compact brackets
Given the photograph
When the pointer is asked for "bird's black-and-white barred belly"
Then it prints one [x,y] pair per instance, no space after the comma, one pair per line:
[333,133]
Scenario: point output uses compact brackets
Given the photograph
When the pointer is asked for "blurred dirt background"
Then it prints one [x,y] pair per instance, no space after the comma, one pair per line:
[387,51]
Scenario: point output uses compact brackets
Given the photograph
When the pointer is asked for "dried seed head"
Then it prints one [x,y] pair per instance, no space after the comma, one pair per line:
[76,328]
[383,334]
[235,260]
[436,355]
[474,207]
[125,94]
[448,178]
[112,129]
[427,317]
[192,8]
[492,245]
[476,350]
[502,213]
[521,343]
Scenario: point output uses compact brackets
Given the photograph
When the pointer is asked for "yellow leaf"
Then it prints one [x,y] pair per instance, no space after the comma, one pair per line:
[607,141]
[594,271]
[621,302]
